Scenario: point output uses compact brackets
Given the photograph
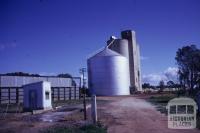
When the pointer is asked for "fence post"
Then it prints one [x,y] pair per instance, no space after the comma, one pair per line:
[79,92]
[94,109]
[75,92]
[84,104]
[64,93]
[0,94]
[52,93]
[9,95]
[58,92]
[17,95]
[70,93]
[0,89]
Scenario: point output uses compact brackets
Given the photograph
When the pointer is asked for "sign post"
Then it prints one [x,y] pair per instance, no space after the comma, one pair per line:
[94,109]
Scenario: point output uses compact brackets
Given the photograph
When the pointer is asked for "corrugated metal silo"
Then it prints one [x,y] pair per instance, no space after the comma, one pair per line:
[108,73]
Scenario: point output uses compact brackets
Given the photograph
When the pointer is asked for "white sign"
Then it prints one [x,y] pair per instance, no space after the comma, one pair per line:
[182,113]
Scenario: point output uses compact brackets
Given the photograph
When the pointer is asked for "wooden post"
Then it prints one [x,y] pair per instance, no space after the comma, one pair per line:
[94,109]
[79,92]
[0,94]
[64,94]
[75,92]
[0,89]
[9,95]
[17,95]
[82,71]
[52,93]
[69,93]
[58,92]
[84,104]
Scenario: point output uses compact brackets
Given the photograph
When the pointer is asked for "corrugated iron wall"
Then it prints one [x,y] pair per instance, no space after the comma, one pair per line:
[19,81]
[11,90]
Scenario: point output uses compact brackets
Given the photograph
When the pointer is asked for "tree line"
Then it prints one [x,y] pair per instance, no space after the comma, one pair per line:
[188,63]
[63,75]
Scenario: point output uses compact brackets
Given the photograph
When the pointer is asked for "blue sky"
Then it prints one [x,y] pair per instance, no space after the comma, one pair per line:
[56,36]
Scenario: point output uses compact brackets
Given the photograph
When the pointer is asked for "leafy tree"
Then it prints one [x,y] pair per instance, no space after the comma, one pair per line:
[188,61]
[161,85]
[22,74]
[66,75]
[146,86]
[153,87]
[170,84]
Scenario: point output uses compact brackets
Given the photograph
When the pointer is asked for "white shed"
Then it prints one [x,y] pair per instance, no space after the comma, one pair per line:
[37,96]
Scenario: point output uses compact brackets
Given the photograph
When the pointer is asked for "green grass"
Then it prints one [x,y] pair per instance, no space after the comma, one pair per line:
[161,101]
[162,98]
[12,108]
[69,102]
[84,129]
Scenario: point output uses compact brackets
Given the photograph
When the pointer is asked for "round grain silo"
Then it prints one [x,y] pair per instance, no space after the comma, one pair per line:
[120,46]
[108,73]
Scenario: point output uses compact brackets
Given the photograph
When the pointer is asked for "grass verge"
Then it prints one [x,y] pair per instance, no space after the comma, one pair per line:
[161,101]
[13,108]
[83,129]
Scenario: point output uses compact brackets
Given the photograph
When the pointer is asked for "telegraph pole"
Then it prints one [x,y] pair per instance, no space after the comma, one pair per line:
[82,71]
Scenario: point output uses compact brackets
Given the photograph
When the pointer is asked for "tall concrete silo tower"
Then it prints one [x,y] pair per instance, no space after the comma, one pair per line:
[134,59]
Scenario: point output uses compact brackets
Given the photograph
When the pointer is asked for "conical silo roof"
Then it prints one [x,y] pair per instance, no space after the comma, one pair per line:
[106,52]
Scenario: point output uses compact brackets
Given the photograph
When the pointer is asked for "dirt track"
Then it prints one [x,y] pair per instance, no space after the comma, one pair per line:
[119,114]
[133,115]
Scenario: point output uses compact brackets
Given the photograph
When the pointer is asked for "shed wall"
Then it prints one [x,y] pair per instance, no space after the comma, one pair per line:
[19,81]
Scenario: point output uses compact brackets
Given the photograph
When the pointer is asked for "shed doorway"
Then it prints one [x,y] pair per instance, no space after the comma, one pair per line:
[33,99]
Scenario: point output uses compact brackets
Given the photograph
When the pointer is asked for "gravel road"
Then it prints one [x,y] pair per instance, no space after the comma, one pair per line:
[133,115]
